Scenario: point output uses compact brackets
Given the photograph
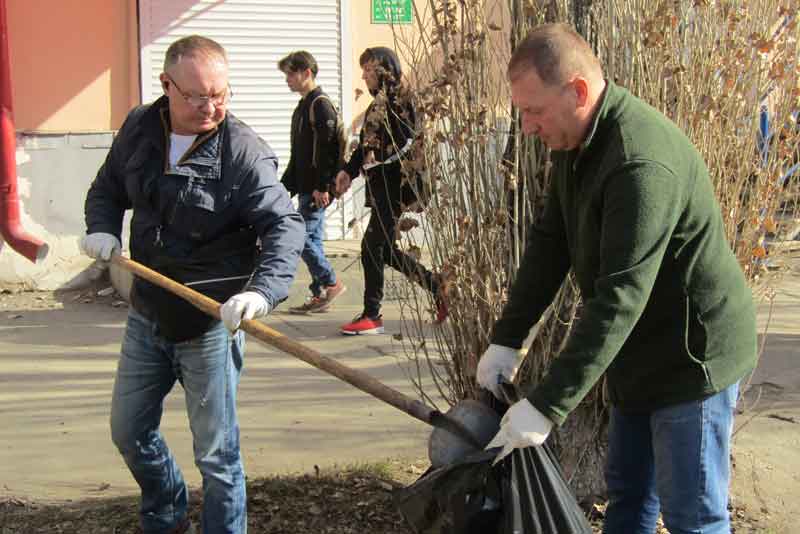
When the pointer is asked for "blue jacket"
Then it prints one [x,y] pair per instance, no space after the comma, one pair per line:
[200,220]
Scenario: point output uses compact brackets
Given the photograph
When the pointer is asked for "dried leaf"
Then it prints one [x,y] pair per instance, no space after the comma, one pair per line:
[764,46]
[406,223]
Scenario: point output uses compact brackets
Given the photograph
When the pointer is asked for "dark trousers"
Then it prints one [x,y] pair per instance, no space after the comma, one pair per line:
[379,248]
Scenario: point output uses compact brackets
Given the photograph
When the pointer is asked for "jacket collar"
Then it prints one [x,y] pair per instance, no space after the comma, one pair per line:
[608,104]
[612,96]
[314,93]
[206,150]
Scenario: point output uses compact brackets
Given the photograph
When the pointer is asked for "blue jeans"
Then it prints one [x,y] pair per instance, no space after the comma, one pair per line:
[208,367]
[313,254]
[676,459]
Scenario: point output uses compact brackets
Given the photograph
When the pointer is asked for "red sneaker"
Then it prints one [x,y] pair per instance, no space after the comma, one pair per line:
[363,325]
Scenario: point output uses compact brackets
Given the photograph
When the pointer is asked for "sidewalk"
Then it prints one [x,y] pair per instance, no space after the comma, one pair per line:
[58,369]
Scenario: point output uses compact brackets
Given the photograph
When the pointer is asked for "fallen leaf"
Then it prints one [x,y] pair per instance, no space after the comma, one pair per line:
[406,223]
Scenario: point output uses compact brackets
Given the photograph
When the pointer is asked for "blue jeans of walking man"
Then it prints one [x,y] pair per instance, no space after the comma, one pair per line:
[313,254]
[208,367]
[676,460]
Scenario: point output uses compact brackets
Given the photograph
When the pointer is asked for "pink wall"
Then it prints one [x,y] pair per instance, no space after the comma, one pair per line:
[74,63]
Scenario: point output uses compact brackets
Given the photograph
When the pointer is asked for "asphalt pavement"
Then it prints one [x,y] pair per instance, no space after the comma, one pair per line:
[58,368]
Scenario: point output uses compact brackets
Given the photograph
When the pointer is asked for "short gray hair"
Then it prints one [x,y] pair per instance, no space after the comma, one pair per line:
[556,52]
[192,46]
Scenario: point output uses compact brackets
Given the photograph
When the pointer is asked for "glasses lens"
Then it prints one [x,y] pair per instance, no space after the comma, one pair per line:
[222,98]
[216,100]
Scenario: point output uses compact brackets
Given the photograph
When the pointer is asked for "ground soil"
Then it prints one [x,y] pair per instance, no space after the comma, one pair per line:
[350,500]
[357,498]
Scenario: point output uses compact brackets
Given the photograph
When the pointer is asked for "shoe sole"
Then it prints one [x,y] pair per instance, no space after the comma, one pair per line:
[299,312]
[371,331]
[328,302]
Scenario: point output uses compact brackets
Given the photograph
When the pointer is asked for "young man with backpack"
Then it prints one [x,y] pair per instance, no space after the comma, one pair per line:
[316,148]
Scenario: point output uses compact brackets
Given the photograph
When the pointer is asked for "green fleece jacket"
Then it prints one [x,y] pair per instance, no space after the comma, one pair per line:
[667,313]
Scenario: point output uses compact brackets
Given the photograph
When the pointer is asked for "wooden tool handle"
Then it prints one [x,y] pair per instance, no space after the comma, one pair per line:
[273,338]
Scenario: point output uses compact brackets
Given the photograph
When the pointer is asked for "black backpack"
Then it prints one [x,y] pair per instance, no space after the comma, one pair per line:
[341,133]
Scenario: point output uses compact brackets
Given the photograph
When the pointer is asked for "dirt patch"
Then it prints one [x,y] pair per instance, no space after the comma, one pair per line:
[345,501]
[354,500]
[17,298]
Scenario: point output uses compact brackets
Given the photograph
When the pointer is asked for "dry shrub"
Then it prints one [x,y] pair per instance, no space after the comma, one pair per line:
[713,67]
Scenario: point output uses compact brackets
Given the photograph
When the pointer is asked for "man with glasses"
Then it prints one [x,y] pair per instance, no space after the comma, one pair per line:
[204,192]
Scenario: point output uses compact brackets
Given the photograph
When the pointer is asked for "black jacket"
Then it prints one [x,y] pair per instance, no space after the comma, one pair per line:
[199,220]
[388,130]
[391,137]
[314,147]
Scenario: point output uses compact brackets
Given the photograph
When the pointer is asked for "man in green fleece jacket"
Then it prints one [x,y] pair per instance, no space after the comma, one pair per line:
[667,314]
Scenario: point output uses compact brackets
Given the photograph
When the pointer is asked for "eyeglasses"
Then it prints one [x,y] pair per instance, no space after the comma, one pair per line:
[217,100]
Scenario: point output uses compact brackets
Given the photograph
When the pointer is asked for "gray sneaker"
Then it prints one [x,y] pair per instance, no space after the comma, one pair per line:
[310,305]
[331,293]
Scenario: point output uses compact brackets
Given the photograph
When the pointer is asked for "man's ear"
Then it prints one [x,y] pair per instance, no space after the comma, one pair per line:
[164,82]
[580,88]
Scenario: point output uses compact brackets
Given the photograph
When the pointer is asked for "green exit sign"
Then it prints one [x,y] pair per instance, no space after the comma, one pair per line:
[391,11]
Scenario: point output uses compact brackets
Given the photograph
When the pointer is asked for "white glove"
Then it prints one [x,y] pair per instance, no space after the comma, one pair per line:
[497,361]
[100,246]
[522,426]
[246,305]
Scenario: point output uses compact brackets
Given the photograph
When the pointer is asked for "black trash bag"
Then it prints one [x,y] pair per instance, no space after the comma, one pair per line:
[461,498]
[525,493]
[537,499]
